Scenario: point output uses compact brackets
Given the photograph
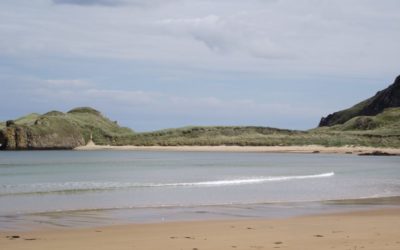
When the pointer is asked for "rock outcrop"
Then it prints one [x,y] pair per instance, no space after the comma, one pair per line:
[21,137]
[57,130]
[387,98]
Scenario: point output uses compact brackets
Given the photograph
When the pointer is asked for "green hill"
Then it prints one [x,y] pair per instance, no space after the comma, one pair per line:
[369,123]
[57,130]
[387,98]
[387,122]
[382,130]
[219,135]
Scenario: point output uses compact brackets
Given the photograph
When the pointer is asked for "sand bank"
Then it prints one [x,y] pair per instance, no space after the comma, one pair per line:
[260,149]
[378,230]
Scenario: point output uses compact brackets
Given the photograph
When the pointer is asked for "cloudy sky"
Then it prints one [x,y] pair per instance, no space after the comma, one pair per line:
[154,64]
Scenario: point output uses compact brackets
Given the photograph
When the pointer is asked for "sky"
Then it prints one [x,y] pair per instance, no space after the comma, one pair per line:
[154,64]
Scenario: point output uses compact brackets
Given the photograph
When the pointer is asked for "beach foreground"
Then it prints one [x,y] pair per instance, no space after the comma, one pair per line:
[379,229]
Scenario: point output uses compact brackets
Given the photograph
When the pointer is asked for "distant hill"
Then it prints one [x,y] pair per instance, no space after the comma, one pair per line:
[387,98]
[373,122]
[385,125]
[219,135]
[57,130]
[382,130]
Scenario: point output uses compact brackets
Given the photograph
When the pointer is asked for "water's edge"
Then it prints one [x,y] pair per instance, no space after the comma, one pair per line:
[90,218]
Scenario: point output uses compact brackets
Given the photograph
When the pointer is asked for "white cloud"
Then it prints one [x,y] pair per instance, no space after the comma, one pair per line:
[228,42]
[113,3]
[156,103]
[89,2]
[73,83]
[226,35]
[123,97]
[328,37]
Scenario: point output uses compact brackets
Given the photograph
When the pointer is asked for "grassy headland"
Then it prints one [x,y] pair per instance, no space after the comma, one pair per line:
[387,98]
[382,130]
[385,133]
[57,130]
[374,122]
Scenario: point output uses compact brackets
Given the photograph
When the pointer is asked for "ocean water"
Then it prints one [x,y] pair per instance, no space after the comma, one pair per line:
[69,188]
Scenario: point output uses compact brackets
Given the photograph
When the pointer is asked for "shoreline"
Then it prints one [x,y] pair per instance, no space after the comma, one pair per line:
[372,229]
[309,149]
[104,217]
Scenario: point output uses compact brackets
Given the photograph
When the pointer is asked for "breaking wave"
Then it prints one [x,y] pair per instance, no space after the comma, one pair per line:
[70,187]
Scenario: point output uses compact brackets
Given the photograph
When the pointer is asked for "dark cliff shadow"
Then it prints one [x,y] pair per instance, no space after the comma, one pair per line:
[3,142]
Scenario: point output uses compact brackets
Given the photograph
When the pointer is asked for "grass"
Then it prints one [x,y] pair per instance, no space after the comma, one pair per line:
[24,120]
[342,116]
[77,123]
[103,130]
[374,105]
[382,130]
[385,123]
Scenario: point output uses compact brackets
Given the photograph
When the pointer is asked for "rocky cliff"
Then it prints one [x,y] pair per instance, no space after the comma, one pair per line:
[387,98]
[57,130]
[19,137]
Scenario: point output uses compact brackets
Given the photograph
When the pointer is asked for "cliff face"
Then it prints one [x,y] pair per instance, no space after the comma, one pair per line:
[16,137]
[20,137]
[57,130]
[387,98]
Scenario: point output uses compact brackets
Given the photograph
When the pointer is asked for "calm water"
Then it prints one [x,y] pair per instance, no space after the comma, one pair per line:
[93,187]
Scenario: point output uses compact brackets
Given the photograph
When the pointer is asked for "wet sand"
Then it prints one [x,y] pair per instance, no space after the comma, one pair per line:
[378,229]
[255,149]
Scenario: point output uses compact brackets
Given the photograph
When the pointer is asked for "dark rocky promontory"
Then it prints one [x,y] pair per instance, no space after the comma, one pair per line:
[387,98]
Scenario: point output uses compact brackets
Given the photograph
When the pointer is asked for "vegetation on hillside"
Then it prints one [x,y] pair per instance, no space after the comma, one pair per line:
[61,130]
[92,122]
[382,130]
[387,98]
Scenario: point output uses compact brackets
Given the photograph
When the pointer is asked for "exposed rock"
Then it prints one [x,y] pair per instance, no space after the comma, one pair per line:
[10,123]
[2,140]
[10,138]
[389,97]
[57,130]
[22,138]
[378,153]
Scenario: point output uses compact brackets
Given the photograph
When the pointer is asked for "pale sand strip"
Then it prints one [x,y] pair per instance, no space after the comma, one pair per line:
[373,230]
[260,149]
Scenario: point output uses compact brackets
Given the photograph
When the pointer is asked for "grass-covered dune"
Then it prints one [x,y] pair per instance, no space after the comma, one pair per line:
[57,130]
[68,130]
[374,122]
[217,135]
[385,123]
[380,131]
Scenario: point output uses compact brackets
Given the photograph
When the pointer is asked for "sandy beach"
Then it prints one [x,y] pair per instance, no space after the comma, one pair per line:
[379,230]
[254,149]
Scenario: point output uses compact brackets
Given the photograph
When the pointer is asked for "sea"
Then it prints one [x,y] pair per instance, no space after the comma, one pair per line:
[58,189]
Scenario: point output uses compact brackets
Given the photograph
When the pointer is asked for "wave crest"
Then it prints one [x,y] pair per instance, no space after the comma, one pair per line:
[69,187]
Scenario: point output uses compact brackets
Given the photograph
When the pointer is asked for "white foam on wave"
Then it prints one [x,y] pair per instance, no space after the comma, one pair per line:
[99,186]
[248,180]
